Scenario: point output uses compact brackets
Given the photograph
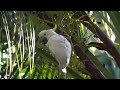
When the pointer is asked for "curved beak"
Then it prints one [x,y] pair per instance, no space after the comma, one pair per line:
[44,40]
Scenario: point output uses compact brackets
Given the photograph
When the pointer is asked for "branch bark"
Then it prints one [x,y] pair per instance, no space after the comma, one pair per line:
[108,44]
[95,73]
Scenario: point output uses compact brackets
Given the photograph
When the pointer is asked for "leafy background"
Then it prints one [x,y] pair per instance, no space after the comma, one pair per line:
[22,56]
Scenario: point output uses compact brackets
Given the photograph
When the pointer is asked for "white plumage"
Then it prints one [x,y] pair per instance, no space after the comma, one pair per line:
[59,47]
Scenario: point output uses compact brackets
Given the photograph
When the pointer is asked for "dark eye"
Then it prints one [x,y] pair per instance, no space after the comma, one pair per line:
[44,33]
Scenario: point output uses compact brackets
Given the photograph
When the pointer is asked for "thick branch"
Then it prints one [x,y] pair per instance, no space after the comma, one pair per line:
[108,44]
[95,73]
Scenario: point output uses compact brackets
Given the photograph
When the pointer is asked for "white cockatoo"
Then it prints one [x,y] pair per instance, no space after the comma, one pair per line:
[59,47]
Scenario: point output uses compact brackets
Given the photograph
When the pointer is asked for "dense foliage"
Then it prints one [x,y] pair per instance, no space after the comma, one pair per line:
[94,36]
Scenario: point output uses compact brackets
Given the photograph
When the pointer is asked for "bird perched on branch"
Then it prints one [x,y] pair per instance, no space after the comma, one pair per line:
[59,47]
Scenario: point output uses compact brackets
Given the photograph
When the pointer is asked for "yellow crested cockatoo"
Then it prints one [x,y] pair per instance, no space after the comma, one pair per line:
[59,47]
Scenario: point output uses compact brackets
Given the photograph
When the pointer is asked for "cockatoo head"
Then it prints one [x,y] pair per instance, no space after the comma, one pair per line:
[45,35]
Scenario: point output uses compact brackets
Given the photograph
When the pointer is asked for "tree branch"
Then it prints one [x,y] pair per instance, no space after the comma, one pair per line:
[95,73]
[108,44]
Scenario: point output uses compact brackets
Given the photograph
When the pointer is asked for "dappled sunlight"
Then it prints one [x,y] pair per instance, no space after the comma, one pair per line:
[15,49]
